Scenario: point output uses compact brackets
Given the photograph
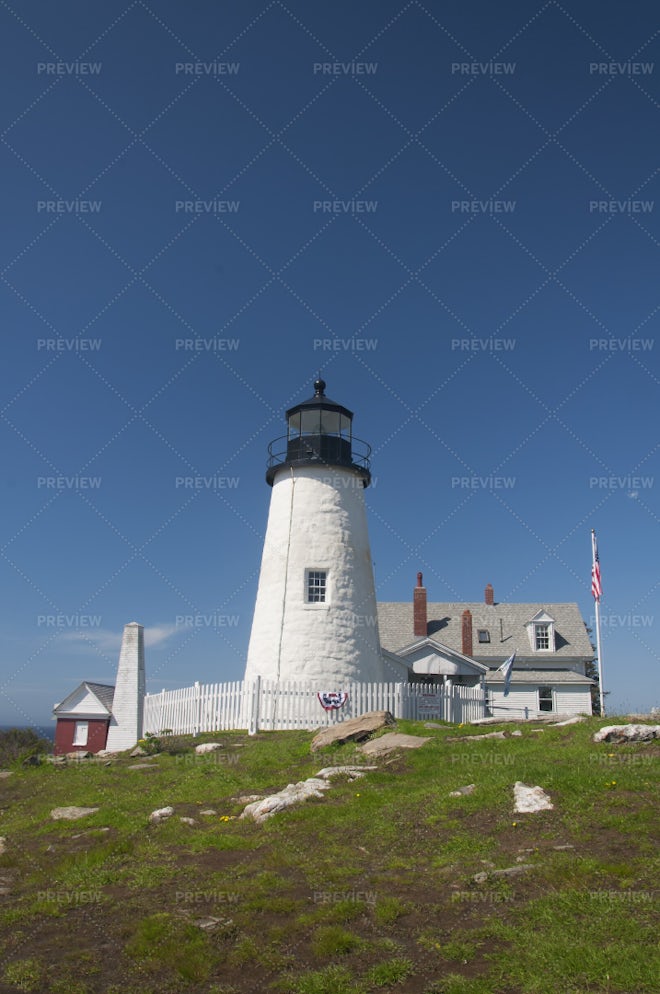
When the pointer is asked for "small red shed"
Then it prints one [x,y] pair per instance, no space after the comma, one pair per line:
[83,719]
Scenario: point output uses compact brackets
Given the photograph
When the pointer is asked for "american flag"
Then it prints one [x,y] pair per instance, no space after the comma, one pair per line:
[596,586]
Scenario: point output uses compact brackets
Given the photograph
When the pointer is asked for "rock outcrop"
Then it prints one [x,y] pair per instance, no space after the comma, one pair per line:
[627,733]
[391,741]
[353,730]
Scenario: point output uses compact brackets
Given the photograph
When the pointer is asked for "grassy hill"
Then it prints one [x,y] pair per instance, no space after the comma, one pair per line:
[369,889]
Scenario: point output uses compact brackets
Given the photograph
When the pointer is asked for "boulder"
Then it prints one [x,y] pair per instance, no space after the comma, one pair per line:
[137,752]
[393,740]
[573,720]
[530,799]
[352,730]
[161,814]
[187,821]
[208,812]
[72,813]
[205,747]
[627,733]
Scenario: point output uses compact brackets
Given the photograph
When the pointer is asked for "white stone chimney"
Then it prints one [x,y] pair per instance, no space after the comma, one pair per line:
[128,704]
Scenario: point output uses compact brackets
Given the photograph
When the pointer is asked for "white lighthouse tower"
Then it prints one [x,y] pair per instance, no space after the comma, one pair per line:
[315,616]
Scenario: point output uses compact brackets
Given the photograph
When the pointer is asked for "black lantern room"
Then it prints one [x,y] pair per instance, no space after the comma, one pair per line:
[319,433]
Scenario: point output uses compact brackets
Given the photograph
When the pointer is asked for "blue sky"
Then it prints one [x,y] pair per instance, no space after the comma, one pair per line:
[450,209]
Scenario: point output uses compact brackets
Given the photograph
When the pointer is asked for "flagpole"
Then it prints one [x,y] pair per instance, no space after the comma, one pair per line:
[598,644]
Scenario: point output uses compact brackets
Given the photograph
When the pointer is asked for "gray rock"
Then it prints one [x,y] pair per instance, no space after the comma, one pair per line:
[627,733]
[5,773]
[462,791]
[143,766]
[187,821]
[353,730]
[211,923]
[530,799]
[210,811]
[510,871]
[477,738]
[573,720]
[72,813]
[352,772]
[205,747]
[393,740]
[161,814]
[293,793]
[516,732]
[137,752]
[249,798]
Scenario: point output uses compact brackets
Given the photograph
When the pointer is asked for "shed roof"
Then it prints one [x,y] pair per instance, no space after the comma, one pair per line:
[88,697]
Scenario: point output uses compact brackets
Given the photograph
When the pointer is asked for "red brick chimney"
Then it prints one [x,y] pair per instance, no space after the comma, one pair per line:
[420,625]
[489,594]
[466,633]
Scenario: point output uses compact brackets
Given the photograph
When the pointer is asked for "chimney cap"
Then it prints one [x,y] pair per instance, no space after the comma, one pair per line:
[419,580]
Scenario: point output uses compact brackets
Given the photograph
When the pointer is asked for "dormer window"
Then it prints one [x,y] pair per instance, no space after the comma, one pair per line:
[483,635]
[541,631]
[541,636]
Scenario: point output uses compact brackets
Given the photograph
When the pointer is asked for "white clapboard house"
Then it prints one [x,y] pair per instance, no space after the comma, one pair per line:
[465,644]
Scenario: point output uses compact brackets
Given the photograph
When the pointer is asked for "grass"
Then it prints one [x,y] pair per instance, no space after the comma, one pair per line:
[368,889]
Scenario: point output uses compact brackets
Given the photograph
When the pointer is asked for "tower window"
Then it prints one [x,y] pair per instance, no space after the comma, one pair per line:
[316,586]
[483,635]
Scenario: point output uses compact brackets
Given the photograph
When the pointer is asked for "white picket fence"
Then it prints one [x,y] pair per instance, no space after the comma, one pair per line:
[267,705]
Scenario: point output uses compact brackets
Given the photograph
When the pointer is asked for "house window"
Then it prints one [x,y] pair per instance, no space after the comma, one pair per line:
[316,586]
[545,699]
[80,733]
[483,635]
[541,636]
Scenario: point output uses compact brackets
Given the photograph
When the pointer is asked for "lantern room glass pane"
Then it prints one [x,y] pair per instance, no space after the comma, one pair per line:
[330,422]
[294,425]
[345,426]
[310,422]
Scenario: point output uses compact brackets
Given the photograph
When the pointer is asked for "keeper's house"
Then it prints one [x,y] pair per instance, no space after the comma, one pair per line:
[466,643]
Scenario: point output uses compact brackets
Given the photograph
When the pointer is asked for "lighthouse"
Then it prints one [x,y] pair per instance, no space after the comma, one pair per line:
[315,616]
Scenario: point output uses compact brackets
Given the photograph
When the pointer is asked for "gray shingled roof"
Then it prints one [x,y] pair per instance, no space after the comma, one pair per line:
[505,623]
[540,676]
[102,691]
